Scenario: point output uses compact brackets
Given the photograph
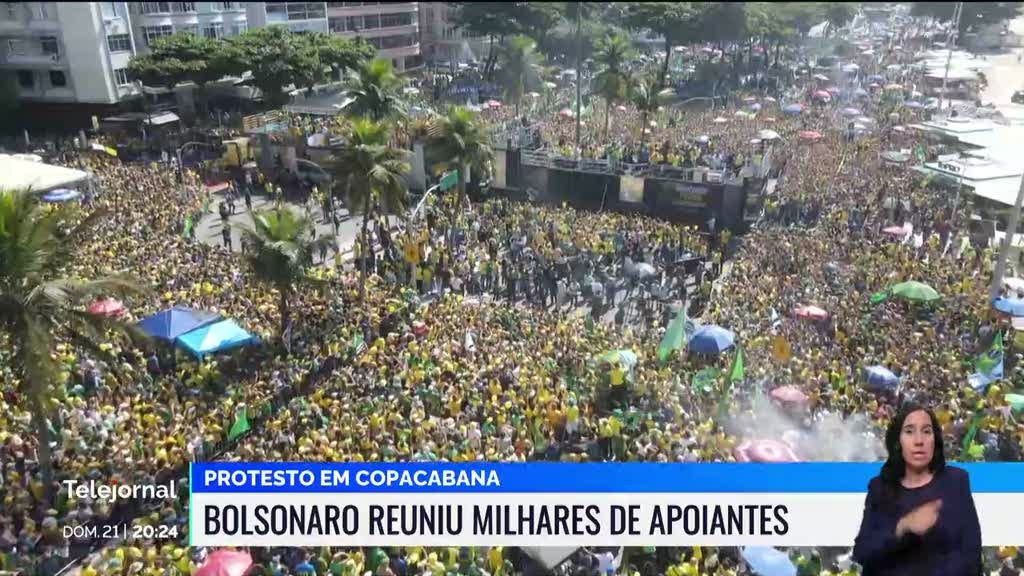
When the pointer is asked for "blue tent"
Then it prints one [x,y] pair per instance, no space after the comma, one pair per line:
[880,377]
[216,337]
[711,339]
[768,561]
[1012,306]
[170,324]
[61,195]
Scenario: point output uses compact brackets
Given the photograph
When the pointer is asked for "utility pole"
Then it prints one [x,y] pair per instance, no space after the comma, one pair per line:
[950,39]
[579,74]
[1004,251]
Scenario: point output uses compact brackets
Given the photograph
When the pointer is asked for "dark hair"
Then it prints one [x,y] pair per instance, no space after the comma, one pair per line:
[895,466]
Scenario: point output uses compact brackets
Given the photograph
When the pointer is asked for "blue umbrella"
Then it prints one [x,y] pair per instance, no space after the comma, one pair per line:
[876,78]
[880,377]
[1012,306]
[170,324]
[793,109]
[767,561]
[860,92]
[711,339]
[216,337]
[851,112]
[913,104]
[61,195]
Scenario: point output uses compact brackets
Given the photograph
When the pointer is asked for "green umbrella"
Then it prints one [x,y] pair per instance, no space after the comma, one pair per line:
[1016,402]
[915,291]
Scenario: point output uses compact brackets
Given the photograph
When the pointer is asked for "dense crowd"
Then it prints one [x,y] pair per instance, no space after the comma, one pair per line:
[481,331]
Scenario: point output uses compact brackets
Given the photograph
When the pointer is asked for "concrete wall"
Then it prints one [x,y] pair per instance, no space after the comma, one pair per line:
[88,60]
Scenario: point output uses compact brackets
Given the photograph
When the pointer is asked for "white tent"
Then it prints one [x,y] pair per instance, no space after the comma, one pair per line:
[17,173]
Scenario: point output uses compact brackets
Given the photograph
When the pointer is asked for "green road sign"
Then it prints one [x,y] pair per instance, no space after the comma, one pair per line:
[449,180]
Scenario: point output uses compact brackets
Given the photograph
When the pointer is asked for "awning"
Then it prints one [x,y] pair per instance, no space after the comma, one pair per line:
[162,118]
[20,174]
[216,337]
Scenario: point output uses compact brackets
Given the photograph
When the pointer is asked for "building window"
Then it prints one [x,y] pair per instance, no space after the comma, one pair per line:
[213,30]
[109,9]
[184,6]
[151,33]
[155,7]
[26,79]
[16,47]
[57,79]
[121,76]
[239,28]
[119,43]
[414,61]
[299,10]
[336,24]
[391,20]
[187,29]
[48,45]
[400,41]
[12,10]
[40,11]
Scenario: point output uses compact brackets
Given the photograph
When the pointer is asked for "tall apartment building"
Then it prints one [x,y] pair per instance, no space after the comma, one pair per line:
[392,27]
[443,42]
[151,20]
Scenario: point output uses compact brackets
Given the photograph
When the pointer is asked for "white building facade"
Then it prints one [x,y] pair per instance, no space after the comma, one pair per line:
[443,42]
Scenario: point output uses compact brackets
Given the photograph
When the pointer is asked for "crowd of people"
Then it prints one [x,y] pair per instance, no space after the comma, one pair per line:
[481,332]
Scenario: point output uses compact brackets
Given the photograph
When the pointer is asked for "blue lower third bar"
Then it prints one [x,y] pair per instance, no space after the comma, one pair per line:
[817,477]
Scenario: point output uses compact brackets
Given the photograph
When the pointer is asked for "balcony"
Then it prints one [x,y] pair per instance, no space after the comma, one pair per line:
[382,8]
[33,60]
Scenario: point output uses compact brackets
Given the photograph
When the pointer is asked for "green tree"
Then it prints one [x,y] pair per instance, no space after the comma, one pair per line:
[185,57]
[676,22]
[375,91]
[648,95]
[157,72]
[458,139]
[839,14]
[280,250]
[39,305]
[372,176]
[277,58]
[520,68]
[500,20]
[612,79]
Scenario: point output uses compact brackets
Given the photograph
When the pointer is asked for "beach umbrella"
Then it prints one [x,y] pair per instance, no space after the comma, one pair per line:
[789,394]
[821,77]
[915,291]
[768,561]
[764,450]
[768,135]
[1014,284]
[712,339]
[720,120]
[493,104]
[620,108]
[860,93]
[703,139]
[756,106]
[893,87]
[109,307]
[740,113]
[1012,306]
[565,112]
[225,563]
[822,95]
[895,231]
[217,337]
[880,378]
[811,313]
[850,68]
[809,135]
[533,94]
[61,195]
[913,104]
[851,112]
[793,109]
[864,120]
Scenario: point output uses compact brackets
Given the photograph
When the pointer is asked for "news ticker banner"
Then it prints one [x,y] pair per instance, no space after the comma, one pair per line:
[553,504]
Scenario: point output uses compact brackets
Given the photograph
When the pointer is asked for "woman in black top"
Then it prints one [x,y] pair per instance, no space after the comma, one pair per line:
[919,516]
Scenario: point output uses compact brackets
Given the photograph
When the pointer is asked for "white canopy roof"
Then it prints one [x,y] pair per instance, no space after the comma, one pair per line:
[16,173]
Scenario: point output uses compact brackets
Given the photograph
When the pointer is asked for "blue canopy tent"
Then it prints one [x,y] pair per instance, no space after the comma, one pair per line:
[768,561]
[216,337]
[170,324]
[1012,306]
[61,195]
[711,339]
[880,378]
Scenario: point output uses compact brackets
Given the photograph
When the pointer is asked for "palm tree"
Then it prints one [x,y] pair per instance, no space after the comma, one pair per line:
[520,67]
[648,96]
[280,249]
[458,139]
[375,91]
[38,305]
[612,79]
[372,174]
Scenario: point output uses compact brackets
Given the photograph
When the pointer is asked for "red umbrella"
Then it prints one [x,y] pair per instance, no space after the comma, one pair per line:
[811,312]
[494,104]
[108,307]
[895,230]
[809,135]
[789,394]
[822,95]
[226,563]
[764,451]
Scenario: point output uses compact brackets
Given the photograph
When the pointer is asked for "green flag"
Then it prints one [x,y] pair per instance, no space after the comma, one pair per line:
[737,372]
[985,362]
[879,297]
[188,226]
[590,324]
[358,344]
[675,336]
[241,425]
[972,431]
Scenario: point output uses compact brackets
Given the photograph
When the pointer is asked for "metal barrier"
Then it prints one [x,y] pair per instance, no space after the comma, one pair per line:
[547,159]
